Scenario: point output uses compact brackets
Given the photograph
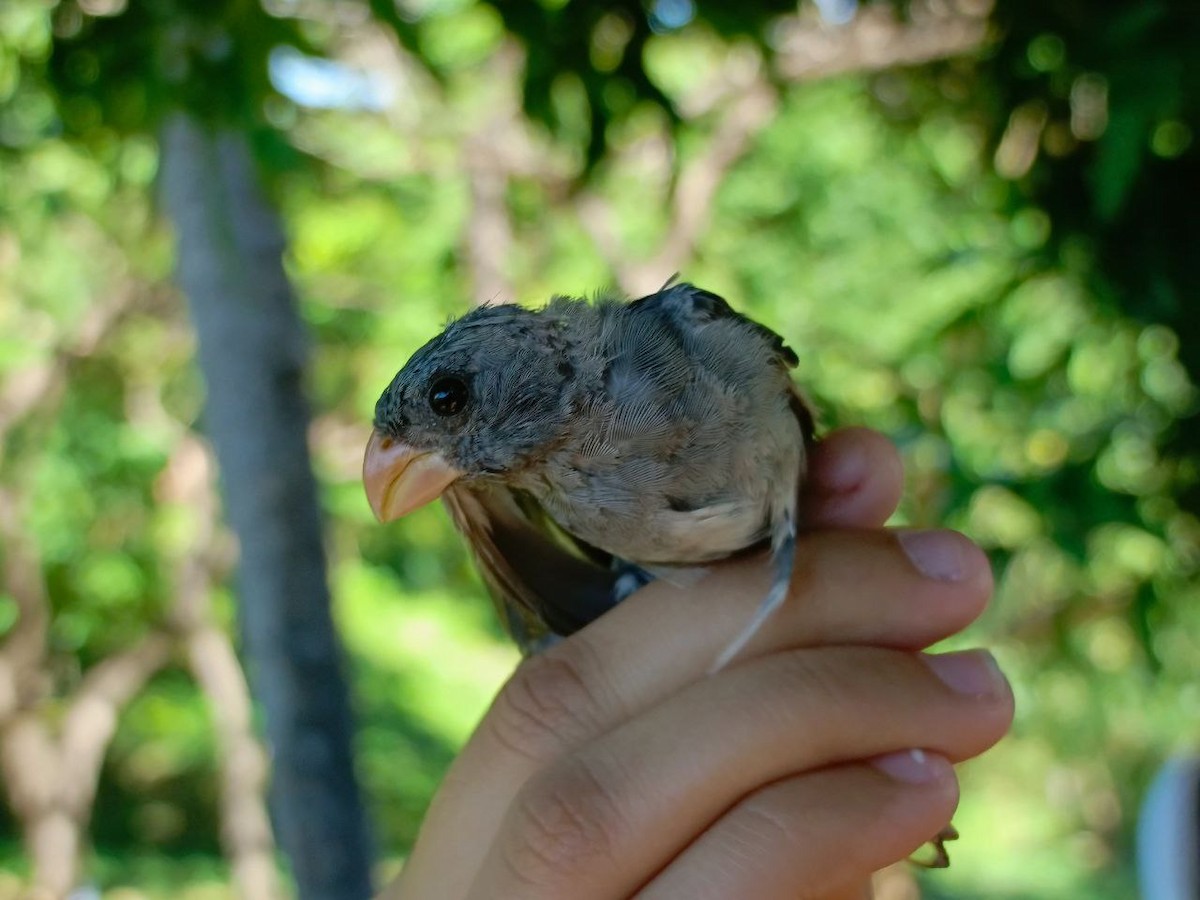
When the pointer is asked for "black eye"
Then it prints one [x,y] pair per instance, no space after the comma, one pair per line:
[448,395]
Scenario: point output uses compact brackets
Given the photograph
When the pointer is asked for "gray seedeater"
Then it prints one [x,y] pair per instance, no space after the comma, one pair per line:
[586,447]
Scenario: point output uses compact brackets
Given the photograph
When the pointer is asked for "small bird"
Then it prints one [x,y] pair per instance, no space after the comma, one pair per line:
[587,447]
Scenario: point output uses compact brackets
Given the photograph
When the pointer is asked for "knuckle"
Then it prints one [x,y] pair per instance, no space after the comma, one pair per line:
[764,827]
[840,686]
[547,705]
[565,822]
[820,676]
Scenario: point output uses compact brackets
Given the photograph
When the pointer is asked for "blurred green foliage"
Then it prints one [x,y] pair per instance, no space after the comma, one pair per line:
[1023,334]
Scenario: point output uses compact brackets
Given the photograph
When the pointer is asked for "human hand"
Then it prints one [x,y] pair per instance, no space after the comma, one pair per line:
[612,765]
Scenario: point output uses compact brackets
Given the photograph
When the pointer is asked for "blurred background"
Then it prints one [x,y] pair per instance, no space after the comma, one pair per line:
[224,225]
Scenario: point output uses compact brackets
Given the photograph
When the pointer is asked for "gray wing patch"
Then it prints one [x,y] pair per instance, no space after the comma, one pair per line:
[685,303]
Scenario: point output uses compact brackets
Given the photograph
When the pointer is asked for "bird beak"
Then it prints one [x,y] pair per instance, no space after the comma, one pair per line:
[399,478]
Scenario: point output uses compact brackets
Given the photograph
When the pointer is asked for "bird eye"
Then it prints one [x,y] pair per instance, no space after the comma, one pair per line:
[448,395]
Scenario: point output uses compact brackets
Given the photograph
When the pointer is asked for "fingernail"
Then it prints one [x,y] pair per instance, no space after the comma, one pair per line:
[912,766]
[940,555]
[970,672]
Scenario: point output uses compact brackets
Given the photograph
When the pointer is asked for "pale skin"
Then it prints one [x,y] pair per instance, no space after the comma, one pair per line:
[613,766]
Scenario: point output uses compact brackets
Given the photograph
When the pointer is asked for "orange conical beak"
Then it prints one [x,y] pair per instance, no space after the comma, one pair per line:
[399,478]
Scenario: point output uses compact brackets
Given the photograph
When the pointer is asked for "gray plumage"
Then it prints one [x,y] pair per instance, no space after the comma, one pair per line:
[664,433]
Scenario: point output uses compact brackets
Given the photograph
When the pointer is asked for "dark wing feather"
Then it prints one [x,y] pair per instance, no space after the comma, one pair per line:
[701,306]
[685,300]
[542,580]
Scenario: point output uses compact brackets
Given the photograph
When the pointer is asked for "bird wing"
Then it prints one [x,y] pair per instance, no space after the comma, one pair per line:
[687,305]
[690,308]
[543,580]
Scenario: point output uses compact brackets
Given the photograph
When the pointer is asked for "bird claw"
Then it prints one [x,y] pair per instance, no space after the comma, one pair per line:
[940,858]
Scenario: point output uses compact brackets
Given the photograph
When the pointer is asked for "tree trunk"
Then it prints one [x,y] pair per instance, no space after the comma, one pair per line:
[54,839]
[245,831]
[51,778]
[251,352]
[32,765]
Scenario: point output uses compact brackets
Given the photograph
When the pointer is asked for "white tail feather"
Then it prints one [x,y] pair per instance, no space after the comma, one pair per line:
[784,558]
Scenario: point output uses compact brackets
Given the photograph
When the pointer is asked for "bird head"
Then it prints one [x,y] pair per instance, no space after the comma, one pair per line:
[479,400]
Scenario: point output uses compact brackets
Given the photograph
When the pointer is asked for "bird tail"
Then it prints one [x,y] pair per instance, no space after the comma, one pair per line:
[784,557]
